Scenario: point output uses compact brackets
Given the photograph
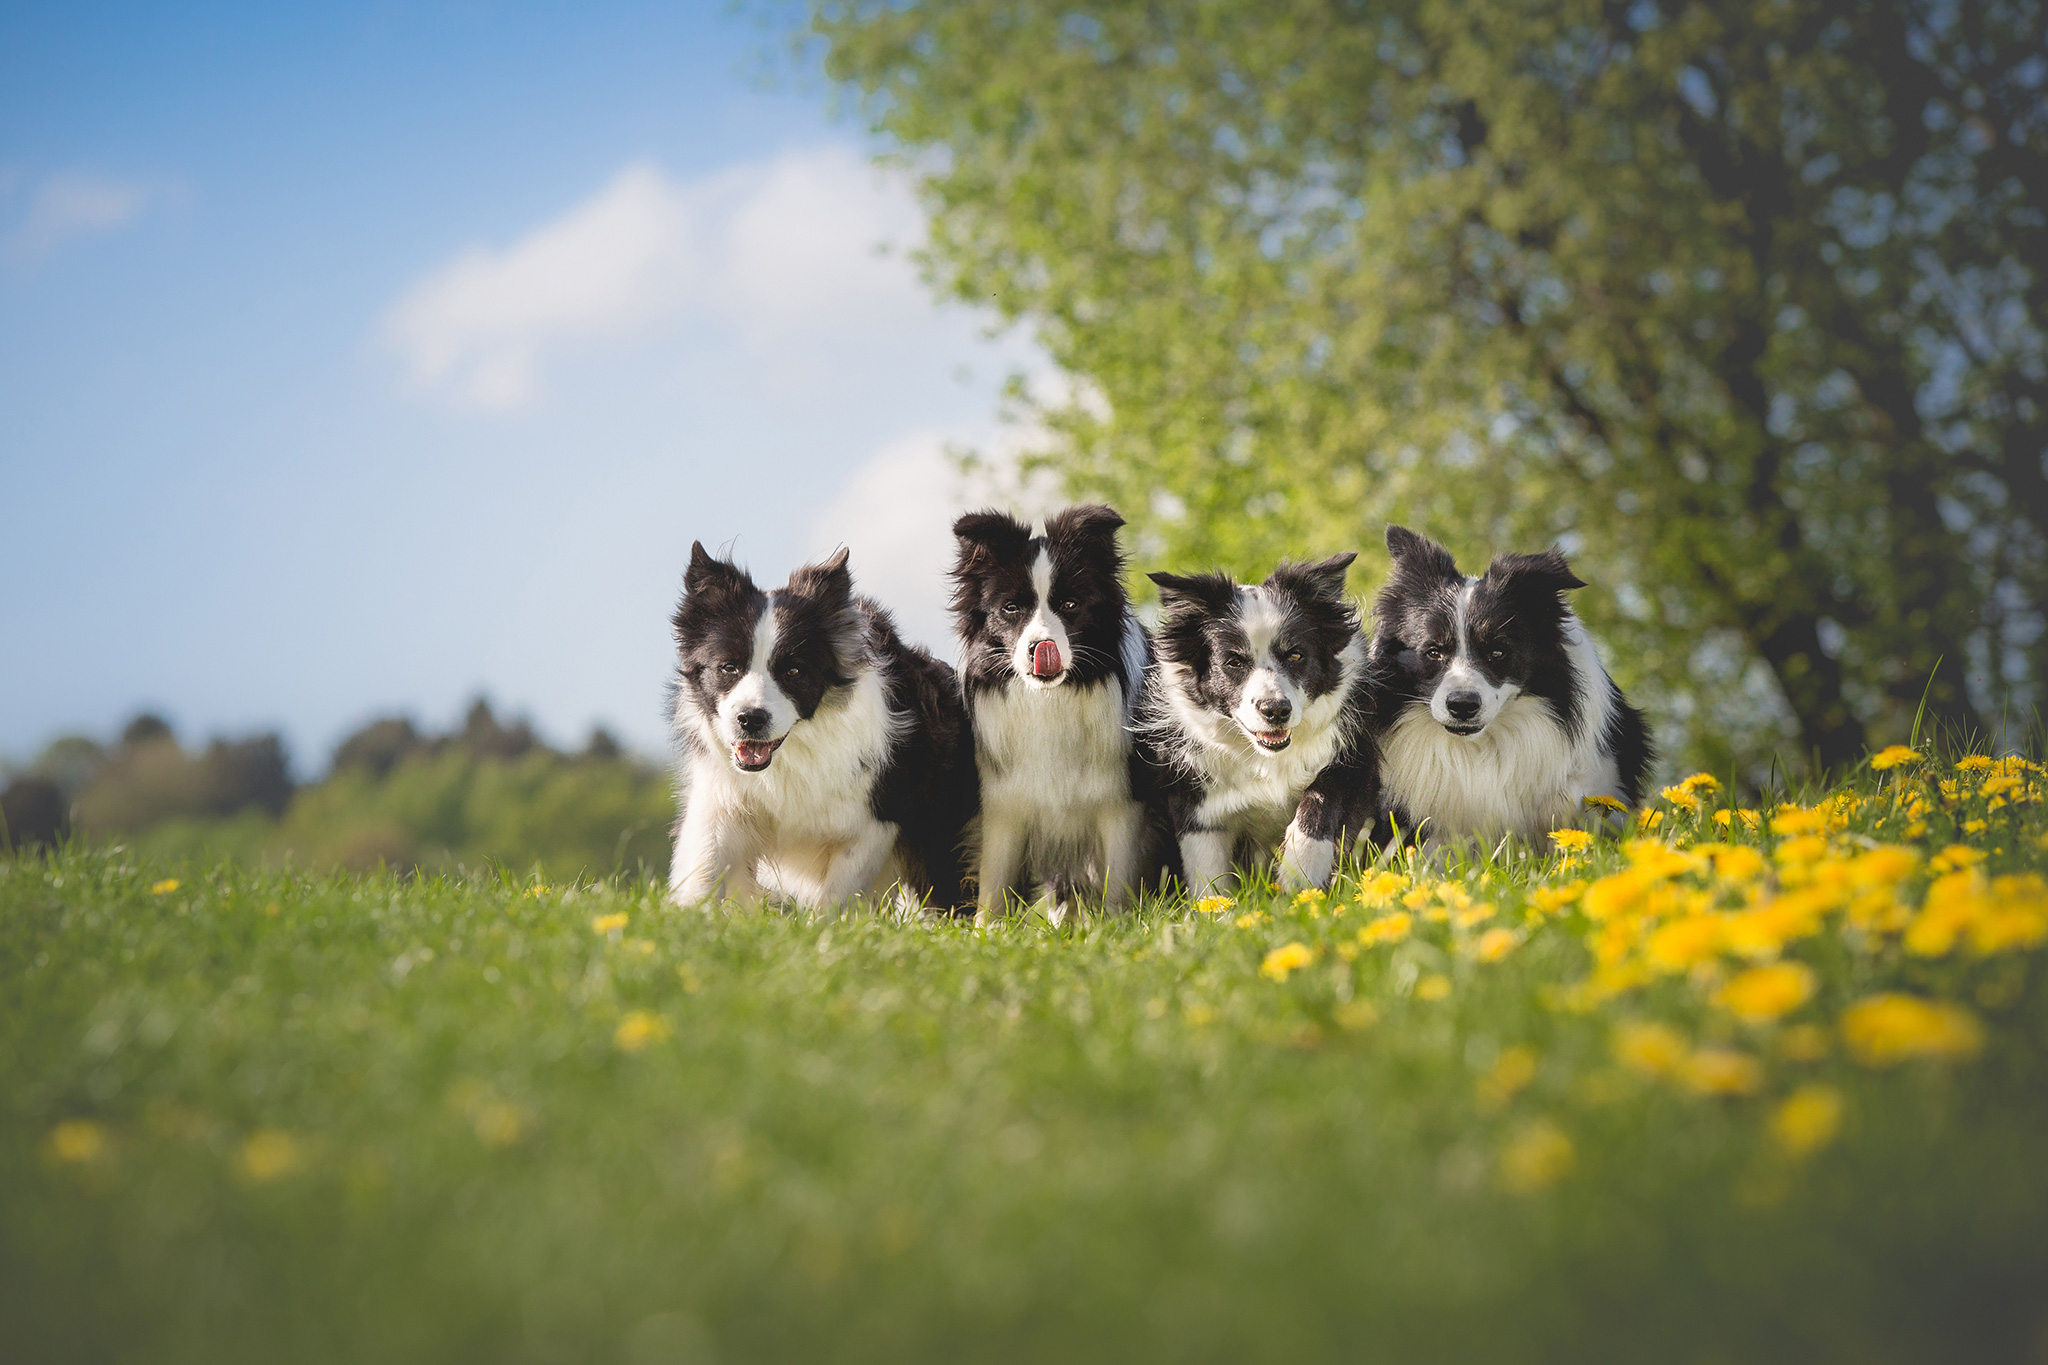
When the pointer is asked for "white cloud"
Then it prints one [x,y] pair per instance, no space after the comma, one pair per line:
[73,204]
[770,249]
[895,513]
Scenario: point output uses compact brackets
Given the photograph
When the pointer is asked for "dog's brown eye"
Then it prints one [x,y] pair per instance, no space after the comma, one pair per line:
[793,672]
[1435,653]
[729,668]
[1292,656]
[1496,655]
[1012,608]
[1237,661]
[1068,604]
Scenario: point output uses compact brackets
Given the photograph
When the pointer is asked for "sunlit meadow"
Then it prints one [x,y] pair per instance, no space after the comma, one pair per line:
[1716,1083]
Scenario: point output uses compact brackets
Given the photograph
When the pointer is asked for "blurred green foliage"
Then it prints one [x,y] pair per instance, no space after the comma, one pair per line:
[1742,304]
[487,794]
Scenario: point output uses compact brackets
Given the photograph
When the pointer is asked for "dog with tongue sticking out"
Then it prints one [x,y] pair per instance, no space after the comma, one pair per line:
[1054,662]
[820,758]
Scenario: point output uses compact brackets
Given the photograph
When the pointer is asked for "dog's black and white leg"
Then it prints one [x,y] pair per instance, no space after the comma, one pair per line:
[1335,813]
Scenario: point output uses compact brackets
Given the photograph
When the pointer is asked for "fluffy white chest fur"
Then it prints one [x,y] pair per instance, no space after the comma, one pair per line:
[1523,774]
[805,825]
[1053,760]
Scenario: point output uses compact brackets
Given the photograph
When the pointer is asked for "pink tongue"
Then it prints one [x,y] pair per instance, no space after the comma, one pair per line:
[754,754]
[1045,659]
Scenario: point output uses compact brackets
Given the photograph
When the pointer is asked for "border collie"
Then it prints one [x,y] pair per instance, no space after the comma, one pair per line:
[1053,660]
[819,756]
[1261,722]
[1502,718]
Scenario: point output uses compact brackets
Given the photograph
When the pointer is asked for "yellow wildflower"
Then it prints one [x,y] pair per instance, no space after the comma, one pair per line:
[1310,897]
[1510,1073]
[1604,803]
[1973,763]
[1473,914]
[1807,848]
[1974,826]
[1720,1071]
[1571,841]
[1954,902]
[1789,819]
[1649,1048]
[1494,945]
[1682,798]
[77,1141]
[1251,919]
[1551,899]
[1418,896]
[2002,785]
[1808,1120]
[2016,915]
[637,1029]
[1649,818]
[1684,942]
[1705,783]
[1728,819]
[1535,1158]
[1955,856]
[164,887]
[1214,905]
[1617,893]
[1738,862]
[1892,755]
[1379,888]
[1763,930]
[1285,960]
[1435,986]
[1762,994]
[1885,1029]
[271,1154]
[605,924]
[1386,929]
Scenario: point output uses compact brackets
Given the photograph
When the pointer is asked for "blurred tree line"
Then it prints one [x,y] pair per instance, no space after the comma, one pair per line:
[488,792]
[1741,303]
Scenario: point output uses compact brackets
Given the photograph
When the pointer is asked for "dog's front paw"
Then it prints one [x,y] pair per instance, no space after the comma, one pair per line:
[1306,862]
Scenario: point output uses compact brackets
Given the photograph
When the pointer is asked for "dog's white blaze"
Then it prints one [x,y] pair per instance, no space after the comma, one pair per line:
[1055,783]
[758,688]
[1262,619]
[1465,675]
[1045,624]
[803,827]
[1523,774]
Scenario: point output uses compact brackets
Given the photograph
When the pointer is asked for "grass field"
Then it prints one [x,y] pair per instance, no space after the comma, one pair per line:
[1741,1086]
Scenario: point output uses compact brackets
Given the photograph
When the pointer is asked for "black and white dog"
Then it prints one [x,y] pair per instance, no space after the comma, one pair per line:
[1260,721]
[1501,717]
[819,756]
[1053,660]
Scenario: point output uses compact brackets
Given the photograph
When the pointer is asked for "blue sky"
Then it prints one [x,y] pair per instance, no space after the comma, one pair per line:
[358,359]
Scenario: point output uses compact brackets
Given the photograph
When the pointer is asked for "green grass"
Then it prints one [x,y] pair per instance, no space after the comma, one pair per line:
[270,1117]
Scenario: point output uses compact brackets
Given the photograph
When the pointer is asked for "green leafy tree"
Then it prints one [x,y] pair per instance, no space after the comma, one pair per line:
[1741,303]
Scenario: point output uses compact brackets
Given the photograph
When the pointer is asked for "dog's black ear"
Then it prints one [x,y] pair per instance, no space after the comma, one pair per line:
[1319,578]
[987,535]
[1085,521]
[1549,573]
[706,574]
[1210,592]
[1419,553]
[828,581]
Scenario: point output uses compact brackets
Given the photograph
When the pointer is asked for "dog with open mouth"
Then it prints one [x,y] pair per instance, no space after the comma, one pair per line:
[1260,720]
[820,757]
[1053,660]
[1501,718]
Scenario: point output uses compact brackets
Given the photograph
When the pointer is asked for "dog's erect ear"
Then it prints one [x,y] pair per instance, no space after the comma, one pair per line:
[989,534]
[828,581]
[1321,578]
[1086,521]
[1419,553]
[1210,592]
[706,574]
[1549,573]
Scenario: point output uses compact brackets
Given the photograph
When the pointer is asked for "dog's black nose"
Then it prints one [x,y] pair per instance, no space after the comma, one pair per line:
[1462,705]
[753,721]
[1275,712]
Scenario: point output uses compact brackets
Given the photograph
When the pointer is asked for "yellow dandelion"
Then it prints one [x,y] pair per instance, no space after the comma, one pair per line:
[271,1154]
[77,1141]
[1494,944]
[1683,798]
[1750,820]
[1571,841]
[1806,848]
[1973,763]
[639,1028]
[1892,756]
[1435,986]
[1889,1028]
[1720,1071]
[164,887]
[1763,994]
[1357,1015]
[1536,1157]
[607,924]
[1648,818]
[2016,916]
[1549,900]
[1510,1073]
[1741,863]
[1684,943]
[1605,803]
[1650,1049]
[537,890]
[1807,1120]
[1473,914]
[1310,897]
[1214,905]
[1386,929]
[1974,826]
[1704,783]
[1285,960]
[1251,919]
[1955,901]
[1789,820]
